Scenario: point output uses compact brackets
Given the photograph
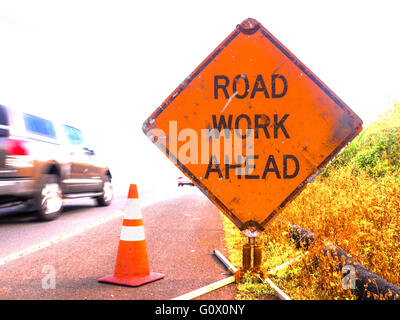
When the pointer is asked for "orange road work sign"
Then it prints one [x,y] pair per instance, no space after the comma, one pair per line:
[252,126]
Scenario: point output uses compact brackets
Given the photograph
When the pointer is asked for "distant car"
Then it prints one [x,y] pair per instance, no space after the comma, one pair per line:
[184,181]
[43,162]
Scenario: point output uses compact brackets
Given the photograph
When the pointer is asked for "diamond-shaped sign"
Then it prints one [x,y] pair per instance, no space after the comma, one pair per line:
[251,126]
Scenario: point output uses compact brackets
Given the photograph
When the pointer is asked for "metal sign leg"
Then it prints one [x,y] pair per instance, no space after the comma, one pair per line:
[251,259]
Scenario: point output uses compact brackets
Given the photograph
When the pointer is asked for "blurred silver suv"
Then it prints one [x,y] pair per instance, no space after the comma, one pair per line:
[43,162]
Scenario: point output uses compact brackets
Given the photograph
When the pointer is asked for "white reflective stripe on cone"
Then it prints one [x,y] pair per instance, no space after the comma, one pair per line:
[132,209]
[132,233]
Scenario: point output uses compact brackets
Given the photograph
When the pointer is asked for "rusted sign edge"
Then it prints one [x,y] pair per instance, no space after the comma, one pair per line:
[149,125]
[309,73]
[312,176]
[189,79]
[335,99]
[250,26]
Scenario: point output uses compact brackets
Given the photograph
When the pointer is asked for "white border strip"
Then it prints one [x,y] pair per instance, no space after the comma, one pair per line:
[273,271]
[213,286]
[132,233]
[279,292]
[132,209]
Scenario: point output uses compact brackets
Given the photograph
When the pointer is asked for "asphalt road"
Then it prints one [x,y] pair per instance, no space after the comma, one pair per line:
[20,230]
[63,259]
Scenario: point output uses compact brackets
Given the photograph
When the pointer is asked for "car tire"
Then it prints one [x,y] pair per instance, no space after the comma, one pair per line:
[49,200]
[107,195]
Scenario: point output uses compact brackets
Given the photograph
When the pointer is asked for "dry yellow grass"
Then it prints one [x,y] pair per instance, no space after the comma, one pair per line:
[355,204]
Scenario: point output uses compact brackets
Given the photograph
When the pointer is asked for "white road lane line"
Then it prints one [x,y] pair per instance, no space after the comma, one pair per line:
[48,243]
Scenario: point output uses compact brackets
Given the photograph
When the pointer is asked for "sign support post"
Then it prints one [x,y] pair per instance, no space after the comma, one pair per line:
[251,259]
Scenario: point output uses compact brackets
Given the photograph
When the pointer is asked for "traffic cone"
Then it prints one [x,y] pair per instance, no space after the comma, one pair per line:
[132,266]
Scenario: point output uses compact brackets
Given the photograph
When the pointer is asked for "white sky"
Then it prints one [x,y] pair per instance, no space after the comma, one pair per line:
[106,66]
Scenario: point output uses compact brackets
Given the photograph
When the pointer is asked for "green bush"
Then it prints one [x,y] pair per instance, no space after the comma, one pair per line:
[375,150]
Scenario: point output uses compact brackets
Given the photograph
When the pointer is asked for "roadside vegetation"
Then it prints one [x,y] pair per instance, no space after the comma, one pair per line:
[355,203]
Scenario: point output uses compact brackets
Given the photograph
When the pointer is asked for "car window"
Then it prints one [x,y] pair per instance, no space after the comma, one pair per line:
[3,116]
[74,136]
[4,129]
[39,126]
